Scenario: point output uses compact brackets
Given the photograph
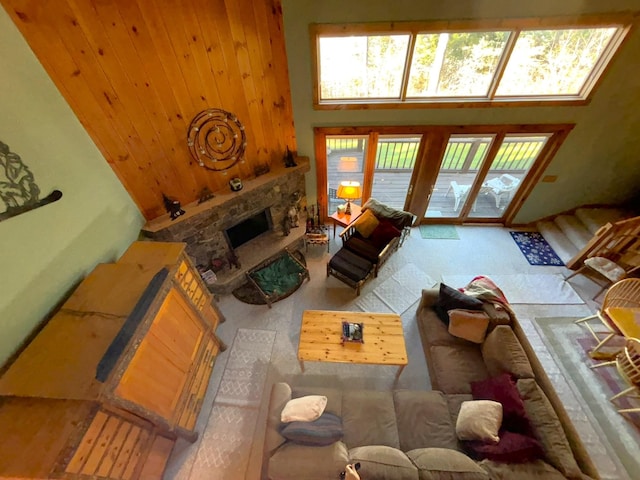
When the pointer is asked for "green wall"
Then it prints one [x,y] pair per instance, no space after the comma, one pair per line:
[45,252]
[599,163]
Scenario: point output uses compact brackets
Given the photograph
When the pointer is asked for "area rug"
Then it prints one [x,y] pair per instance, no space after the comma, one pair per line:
[398,292]
[529,289]
[536,249]
[224,451]
[290,282]
[439,232]
[569,345]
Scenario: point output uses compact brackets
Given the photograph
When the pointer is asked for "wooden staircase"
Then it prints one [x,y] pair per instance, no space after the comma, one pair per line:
[586,231]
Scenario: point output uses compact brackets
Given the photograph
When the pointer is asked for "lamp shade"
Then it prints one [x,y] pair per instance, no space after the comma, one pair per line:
[349,191]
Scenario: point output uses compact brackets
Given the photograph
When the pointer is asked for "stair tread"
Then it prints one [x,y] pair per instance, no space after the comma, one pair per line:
[594,218]
[560,243]
[574,229]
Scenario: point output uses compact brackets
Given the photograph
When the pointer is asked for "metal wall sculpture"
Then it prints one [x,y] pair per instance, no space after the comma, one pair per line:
[216,139]
[18,189]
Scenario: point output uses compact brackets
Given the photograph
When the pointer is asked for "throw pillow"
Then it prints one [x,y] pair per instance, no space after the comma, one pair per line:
[366,223]
[512,448]
[479,420]
[325,430]
[503,389]
[468,324]
[384,233]
[449,299]
[303,409]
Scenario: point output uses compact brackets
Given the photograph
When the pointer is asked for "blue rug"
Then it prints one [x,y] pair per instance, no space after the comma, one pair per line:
[536,249]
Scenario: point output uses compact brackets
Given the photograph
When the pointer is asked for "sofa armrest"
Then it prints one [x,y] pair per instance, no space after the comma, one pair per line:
[280,395]
[429,298]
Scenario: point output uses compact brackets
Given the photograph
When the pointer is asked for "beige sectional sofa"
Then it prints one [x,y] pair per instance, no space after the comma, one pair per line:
[405,434]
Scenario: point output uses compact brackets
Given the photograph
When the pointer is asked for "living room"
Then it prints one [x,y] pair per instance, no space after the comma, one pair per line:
[48,251]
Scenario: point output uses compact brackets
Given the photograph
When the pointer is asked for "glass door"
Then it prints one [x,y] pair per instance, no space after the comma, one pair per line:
[345,163]
[395,159]
[511,164]
[463,158]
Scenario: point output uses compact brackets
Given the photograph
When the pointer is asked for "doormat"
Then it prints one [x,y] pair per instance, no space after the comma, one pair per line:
[536,249]
[569,345]
[226,444]
[439,232]
[248,293]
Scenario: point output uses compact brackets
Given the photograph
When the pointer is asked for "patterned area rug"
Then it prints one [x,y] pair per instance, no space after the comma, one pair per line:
[536,249]
[397,293]
[224,451]
[541,289]
[569,345]
[439,231]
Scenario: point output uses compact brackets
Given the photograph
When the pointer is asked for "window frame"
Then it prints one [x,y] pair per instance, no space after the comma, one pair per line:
[622,22]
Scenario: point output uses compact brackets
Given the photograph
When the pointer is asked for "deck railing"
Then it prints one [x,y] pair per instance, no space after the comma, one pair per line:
[462,154]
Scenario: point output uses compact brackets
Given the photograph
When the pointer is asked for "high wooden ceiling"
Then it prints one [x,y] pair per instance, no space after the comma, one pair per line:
[136,72]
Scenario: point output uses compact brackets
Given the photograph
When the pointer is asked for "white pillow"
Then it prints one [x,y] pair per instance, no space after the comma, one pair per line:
[479,420]
[303,409]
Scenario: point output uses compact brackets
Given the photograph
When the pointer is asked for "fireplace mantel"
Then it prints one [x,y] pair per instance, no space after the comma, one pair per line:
[224,197]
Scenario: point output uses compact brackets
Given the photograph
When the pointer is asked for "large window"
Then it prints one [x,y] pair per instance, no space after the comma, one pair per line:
[362,65]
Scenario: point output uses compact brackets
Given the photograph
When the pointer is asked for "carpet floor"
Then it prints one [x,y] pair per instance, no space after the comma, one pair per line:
[569,345]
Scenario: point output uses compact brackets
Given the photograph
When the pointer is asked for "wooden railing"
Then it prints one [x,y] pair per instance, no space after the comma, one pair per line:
[611,240]
[462,154]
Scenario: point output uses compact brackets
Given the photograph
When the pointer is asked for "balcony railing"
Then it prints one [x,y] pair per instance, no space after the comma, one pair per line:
[462,154]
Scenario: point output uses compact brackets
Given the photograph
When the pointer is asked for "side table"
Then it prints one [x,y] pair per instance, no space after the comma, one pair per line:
[343,219]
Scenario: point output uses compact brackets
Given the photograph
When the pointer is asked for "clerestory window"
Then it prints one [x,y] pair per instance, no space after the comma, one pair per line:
[416,64]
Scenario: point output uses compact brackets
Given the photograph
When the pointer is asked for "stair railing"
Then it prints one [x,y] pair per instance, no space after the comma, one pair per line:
[611,240]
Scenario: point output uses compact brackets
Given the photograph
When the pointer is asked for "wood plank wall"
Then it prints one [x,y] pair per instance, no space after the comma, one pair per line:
[136,72]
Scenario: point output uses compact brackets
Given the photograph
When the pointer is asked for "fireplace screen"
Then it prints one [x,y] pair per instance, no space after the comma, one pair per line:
[249,229]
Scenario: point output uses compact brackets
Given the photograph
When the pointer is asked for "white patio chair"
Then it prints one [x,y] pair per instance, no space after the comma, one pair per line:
[501,187]
[460,193]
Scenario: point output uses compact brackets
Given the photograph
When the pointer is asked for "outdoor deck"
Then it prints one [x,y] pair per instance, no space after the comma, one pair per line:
[390,187]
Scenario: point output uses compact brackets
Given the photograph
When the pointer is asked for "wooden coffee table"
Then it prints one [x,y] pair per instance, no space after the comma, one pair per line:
[321,331]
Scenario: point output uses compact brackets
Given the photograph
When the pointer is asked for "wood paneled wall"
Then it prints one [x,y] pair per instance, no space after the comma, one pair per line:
[136,72]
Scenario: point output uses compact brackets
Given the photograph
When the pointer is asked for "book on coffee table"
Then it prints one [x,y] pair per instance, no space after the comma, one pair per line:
[352,332]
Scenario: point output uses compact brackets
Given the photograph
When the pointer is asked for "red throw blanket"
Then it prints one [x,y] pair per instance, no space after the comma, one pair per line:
[483,288]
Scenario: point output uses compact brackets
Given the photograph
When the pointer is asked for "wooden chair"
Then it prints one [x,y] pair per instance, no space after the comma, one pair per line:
[628,364]
[612,265]
[625,293]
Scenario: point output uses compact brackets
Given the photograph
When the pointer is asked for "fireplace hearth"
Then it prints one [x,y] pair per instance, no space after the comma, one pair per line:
[209,229]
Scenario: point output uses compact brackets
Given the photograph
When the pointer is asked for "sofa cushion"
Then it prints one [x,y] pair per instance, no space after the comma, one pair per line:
[423,420]
[366,223]
[379,462]
[350,265]
[445,464]
[304,409]
[325,430]
[383,234]
[468,324]
[434,331]
[450,299]
[369,418]
[363,248]
[548,429]
[479,420]
[538,470]
[293,462]
[456,367]
[502,353]
[512,448]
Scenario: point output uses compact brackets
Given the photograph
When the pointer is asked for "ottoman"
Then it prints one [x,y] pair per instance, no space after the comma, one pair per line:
[350,268]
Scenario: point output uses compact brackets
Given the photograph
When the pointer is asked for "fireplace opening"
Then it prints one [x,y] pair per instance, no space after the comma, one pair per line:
[249,229]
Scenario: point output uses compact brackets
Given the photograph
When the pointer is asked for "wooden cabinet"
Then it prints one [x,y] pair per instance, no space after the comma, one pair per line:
[131,351]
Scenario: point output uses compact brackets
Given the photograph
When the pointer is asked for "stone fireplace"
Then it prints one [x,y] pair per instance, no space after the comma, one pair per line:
[215,228]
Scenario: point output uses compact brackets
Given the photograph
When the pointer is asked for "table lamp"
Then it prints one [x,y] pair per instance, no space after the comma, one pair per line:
[349,191]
